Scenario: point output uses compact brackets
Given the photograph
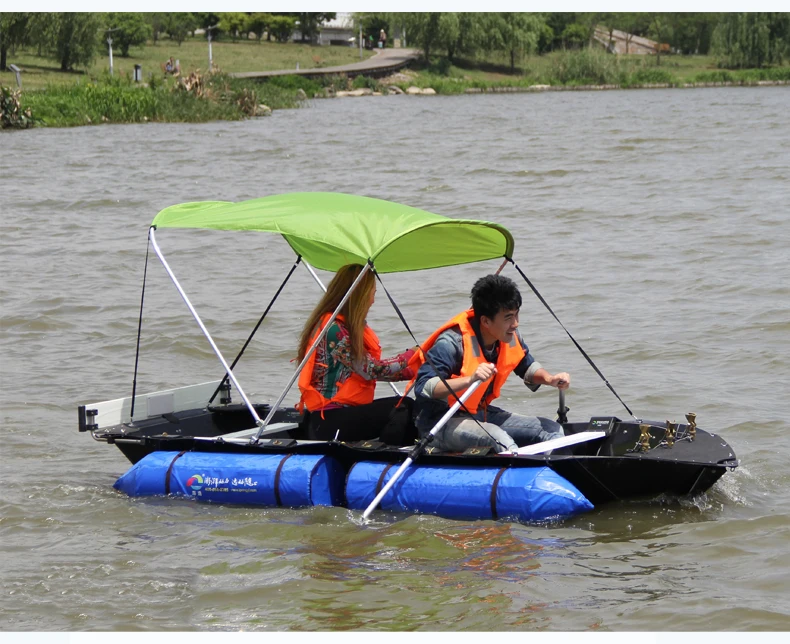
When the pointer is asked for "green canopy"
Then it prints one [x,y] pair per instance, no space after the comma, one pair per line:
[332,229]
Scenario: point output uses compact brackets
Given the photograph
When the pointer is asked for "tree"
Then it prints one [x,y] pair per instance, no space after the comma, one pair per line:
[14,31]
[659,29]
[449,33]
[574,36]
[258,23]
[590,20]
[631,24]
[559,23]
[471,33]
[423,29]
[514,33]
[43,31]
[372,23]
[310,23]
[208,19]
[179,24]
[691,32]
[76,38]
[282,28]
[545,38]
[233,23]
[158,22]
[751,39]
[132,30]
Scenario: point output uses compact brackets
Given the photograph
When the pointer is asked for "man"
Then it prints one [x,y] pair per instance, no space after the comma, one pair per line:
[482,344]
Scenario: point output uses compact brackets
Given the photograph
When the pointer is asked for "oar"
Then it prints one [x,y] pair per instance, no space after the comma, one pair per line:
[420,446]
[564,441]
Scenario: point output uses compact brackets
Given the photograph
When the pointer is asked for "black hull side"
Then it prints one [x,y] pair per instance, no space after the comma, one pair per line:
[607,469]
[600,478]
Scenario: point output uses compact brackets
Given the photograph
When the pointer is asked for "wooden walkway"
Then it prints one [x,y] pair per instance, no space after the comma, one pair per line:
[382,63]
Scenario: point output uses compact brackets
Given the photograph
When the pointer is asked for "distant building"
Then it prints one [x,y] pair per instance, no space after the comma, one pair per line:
[338,31]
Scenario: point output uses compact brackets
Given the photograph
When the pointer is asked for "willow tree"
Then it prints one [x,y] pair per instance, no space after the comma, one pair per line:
[743,40]
[513,33]
[423,29]
[76,38]
[14,31]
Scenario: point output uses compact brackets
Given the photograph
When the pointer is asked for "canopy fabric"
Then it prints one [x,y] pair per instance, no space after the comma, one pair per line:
[330,230]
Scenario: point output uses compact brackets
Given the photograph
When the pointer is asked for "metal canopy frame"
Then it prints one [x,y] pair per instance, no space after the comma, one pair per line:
[228,370]
[263,423]
[260,423]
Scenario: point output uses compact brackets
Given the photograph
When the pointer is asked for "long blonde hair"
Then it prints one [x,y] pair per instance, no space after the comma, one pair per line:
[354,311]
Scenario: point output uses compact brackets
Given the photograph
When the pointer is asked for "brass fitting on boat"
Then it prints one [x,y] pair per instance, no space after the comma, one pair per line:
[691,417]
[644,438]
[671,432]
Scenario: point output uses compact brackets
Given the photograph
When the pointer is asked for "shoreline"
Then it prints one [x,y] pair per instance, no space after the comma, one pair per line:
[300,98]
[590,88]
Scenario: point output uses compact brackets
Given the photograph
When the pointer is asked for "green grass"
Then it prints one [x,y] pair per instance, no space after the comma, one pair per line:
[241,56]
[573,68]
[118,100]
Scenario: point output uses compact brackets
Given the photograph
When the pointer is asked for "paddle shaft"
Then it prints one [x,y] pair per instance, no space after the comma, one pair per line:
[410,460]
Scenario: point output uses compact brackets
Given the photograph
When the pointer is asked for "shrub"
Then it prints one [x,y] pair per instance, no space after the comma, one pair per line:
[720,76]
[294,82]
[11,112]
[765,74]
[586,67]
[118,99]
[360,82]
[651,75]
[336,82]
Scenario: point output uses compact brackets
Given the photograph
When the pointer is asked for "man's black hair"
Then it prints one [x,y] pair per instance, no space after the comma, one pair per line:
[494,293]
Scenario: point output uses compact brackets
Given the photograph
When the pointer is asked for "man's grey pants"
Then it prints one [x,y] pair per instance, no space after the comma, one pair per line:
[502,430]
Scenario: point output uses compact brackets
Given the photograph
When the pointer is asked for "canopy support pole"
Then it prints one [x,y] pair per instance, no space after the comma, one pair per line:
[578,346]
[323,288]
[273,410]
[139,330]
[202,326]
[255,330]
[315,276]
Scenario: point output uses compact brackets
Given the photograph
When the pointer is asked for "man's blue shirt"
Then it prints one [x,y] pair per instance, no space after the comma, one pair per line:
[447,354]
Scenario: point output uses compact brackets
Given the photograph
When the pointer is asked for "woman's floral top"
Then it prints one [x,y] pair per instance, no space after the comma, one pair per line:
[334,365]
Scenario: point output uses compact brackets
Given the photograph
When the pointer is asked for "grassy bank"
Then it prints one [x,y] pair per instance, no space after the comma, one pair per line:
[242,56]
[586,67]
[199,98]
[118,100]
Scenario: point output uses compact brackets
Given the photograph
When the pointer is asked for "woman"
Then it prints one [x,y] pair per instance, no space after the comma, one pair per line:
[339,380]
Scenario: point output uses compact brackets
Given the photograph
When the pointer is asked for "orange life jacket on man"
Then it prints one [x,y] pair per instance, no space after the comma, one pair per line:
[510,355]
[354,391]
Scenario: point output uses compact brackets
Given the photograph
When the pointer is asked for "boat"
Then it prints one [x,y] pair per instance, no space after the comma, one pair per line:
[602,459]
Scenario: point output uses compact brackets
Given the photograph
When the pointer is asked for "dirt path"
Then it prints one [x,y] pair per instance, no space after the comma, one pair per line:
[381,63]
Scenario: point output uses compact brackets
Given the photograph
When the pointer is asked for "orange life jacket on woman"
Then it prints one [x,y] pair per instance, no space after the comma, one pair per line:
[355,390]
[510,355]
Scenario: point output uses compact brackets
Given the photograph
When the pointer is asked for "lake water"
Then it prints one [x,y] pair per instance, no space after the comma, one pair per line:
[656,224]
